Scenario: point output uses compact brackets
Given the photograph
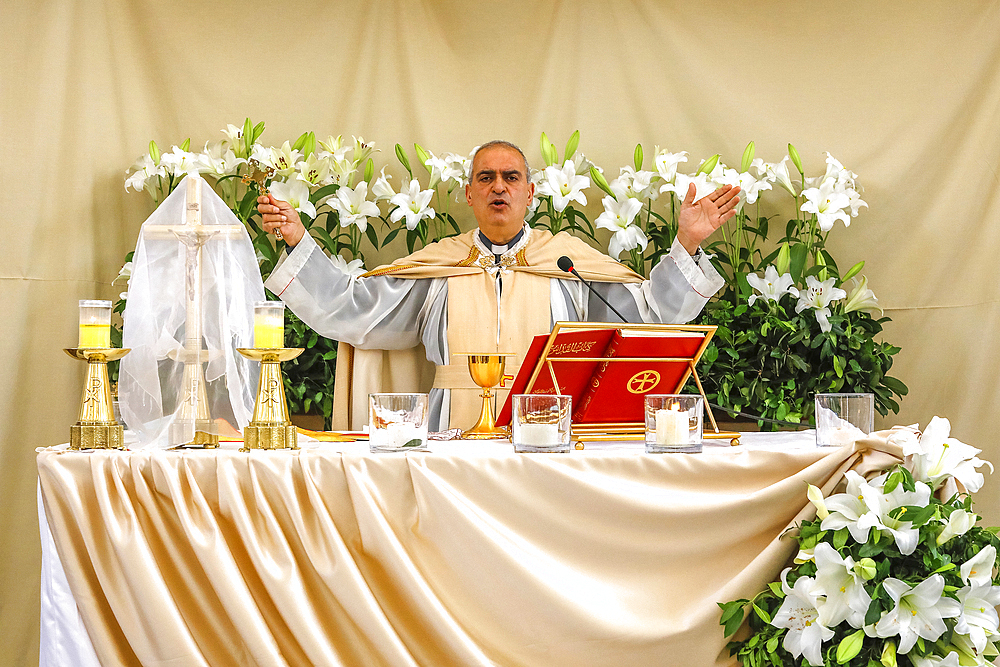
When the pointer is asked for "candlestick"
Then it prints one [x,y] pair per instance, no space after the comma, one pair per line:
[270,427]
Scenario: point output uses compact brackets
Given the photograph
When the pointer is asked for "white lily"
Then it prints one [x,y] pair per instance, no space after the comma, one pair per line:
[314,170]
[353,268]
[381,188]
[935,457]
[838,580]
[959,523]
[847,508]
[828,203]
[563,185]
[666,165]
[284,158]
[815,496]
[881,504]
[412,203]
[855,202]
[262,154]
[978,570]
[772,286]
[180,163]
[234,135]
[126,273]
[950,660]
[144,171]
[617,217]
[750,187]
[779,171]
[218,159]
[352,206]
[702,183]
[818,296]
[296,193]
[859,297]
[837,171]
[635,184]
[799,613]
[979,615]
[582,164]
[919,611]
[459,167]
[444,170]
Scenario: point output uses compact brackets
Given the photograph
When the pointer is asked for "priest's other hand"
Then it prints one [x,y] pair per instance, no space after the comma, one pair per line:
[279,215]
[698,219]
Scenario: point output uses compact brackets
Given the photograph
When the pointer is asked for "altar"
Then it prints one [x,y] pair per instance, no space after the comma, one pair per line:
[465,555]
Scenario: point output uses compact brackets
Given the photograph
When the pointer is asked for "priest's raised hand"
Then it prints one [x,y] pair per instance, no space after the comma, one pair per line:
[698,219]
[278,215]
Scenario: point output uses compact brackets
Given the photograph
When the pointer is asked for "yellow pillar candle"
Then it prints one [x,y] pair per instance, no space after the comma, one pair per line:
[269,324]
[95,324]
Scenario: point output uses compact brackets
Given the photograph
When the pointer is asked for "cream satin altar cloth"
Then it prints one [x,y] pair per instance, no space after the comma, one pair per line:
[469,555]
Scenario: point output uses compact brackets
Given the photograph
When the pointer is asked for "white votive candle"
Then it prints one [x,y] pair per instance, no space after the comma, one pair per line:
[538,435]
[395,435]
[671,427]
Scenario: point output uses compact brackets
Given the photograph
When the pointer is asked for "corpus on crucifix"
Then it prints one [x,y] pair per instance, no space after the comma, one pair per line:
[194,281]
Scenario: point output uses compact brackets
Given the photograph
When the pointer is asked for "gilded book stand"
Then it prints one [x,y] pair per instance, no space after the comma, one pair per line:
[548,360]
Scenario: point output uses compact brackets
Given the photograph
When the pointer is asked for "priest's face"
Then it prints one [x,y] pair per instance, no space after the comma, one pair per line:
[499,192]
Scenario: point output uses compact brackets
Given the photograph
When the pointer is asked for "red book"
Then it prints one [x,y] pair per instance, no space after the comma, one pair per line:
[573,376]
[617,390]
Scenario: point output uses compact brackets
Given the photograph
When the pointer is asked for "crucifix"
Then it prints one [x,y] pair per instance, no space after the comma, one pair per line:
[193,425]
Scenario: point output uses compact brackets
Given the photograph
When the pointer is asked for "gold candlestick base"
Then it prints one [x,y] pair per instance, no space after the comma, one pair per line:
[97,427]
[270,427]
[487,371]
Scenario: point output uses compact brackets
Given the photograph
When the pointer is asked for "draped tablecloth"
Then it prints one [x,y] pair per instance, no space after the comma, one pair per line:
[467,555]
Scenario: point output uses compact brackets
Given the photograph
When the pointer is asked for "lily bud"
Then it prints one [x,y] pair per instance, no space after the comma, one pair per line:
[154,152]
[257,130]
[572,144]
[959,523]
[248,137]
[186,146]
[423,156]
[369,170]
[824,273]
[709,165]
[855,270]
[867,569]
[602,182]
[816,498]
[888,657]
[747,158]
[401,156]
[548,149]
[637,157]
[850,646]
[783,261]
[796,160]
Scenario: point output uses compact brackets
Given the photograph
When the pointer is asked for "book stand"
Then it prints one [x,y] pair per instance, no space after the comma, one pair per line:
[548,360]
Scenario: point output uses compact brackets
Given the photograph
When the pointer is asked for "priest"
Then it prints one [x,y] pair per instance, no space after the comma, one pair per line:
[490,290]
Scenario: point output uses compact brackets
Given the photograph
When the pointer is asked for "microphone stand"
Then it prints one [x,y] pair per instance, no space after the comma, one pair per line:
[566,264]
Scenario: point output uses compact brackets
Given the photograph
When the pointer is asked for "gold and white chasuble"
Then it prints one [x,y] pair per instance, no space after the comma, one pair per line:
[491,309]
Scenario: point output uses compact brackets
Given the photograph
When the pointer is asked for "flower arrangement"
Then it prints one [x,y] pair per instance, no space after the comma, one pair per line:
[893,571]
[798,329]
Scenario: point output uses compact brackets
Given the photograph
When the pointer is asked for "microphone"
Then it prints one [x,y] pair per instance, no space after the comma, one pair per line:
[566,264]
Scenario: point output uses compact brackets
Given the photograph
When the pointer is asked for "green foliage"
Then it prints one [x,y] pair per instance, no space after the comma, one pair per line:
[309,378]
[768,360]
[851,646]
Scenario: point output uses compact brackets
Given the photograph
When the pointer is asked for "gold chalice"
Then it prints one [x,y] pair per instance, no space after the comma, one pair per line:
[487,372]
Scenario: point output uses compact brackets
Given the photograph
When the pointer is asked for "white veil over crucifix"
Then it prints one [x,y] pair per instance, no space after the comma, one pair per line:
[194,282]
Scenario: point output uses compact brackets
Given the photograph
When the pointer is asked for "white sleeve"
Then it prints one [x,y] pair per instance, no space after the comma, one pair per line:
[677,289]
[375,313]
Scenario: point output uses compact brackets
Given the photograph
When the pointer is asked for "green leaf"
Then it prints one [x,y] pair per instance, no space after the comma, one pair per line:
[637,157]
[572,144]
[763,615]
[416,442]
[799,254]
[895,386]
[775,587]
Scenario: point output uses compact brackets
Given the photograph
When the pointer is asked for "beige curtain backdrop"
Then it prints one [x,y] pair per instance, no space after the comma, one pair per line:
[903,93]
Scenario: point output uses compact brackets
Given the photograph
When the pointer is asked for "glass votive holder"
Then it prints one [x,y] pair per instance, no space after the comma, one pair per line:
[541,422]
[398,422]
[269,324]
[95,324]
[841,419]
[674,423]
